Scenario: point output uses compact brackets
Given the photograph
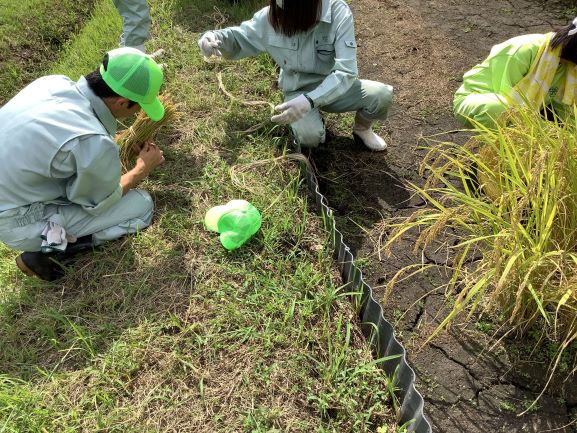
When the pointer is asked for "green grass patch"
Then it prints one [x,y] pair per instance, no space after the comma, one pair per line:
[32,32]
[85,51]
[167,331]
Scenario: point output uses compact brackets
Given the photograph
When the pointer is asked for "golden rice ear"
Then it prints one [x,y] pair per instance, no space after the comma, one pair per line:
[143,129]
[491,184]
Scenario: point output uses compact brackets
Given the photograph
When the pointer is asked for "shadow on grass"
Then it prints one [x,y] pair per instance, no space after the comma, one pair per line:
[361,188]
[64,326]
[200,16]
[237,141]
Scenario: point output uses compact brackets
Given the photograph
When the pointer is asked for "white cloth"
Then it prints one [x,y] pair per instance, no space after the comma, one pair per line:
[54,238]
[292,111]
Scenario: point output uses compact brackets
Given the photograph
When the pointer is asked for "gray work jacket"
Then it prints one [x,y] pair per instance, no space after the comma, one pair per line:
[56,146]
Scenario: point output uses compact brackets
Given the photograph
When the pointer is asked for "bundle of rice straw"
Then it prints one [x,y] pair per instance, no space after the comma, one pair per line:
[143,129]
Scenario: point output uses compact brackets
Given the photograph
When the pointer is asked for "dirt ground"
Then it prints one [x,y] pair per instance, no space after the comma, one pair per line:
[422,48]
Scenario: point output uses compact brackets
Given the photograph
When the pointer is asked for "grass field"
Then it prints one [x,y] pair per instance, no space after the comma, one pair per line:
[166,331]
[31,34]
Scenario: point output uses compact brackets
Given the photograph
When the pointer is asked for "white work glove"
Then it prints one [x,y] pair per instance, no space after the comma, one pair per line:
[292,111]
[208,44]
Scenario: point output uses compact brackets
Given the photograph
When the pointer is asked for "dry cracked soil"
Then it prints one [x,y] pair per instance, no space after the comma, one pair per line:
[423,48]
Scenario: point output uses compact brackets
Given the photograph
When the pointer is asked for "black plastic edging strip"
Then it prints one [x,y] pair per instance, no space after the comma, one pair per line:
[384,342]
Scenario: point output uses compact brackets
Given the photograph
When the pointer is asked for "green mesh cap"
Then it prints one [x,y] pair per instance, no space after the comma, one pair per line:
[136,76]
[237,221]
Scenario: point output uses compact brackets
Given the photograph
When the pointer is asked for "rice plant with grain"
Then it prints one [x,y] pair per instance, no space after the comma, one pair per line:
[509,199]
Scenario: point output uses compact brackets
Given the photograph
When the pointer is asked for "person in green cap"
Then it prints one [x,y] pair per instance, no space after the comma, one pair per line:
[62,189]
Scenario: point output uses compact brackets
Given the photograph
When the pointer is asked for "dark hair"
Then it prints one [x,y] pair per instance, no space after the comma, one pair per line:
[567,42]
[297,16]
[99,86]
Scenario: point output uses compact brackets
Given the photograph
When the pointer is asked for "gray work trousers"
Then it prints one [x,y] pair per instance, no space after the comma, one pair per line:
[372,98]
[135,22]
[21,228]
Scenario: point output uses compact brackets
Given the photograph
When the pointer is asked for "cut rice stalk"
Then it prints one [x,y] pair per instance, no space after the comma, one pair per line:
[143,129]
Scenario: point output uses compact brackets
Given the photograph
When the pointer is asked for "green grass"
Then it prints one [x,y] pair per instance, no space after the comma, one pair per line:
[166,331]
[31,34]
[84,52]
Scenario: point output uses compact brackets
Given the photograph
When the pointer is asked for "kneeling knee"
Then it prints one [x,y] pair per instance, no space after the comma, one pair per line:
[310,138]
[382,99]
[140,203]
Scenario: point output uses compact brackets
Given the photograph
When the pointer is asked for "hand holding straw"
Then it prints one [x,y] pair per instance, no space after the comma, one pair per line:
[143,130]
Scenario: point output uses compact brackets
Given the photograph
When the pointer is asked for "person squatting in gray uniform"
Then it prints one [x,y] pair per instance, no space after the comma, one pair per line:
[313,43]
[62,189]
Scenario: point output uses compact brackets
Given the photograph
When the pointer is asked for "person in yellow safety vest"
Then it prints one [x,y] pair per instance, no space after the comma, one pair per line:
[539,70]
[313,43]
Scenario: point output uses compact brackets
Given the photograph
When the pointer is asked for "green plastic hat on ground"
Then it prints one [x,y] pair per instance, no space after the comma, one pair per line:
[237,221]
[135,76]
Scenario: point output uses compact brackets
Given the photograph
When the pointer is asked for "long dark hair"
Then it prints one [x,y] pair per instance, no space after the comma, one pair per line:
[567,42]
[97,83]
[295,17]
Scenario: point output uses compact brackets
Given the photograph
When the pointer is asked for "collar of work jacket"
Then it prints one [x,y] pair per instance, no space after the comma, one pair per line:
[98,106]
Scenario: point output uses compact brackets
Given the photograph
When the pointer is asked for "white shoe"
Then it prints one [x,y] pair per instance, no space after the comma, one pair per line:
[157,55]
[362,130]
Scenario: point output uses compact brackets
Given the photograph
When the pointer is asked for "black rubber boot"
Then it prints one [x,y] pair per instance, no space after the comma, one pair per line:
[50,267]
[40,265]
[82,244]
